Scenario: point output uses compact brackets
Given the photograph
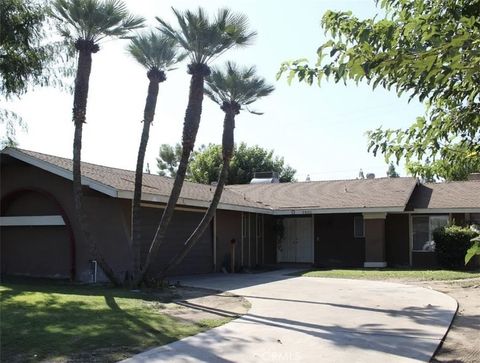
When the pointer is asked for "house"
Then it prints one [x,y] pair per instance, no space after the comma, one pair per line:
[355,223]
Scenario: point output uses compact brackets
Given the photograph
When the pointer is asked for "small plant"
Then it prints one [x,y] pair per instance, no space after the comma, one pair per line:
[475,249]
[452,243]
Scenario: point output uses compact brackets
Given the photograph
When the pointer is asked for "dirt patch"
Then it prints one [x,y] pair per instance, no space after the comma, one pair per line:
[198,305]
[202,307]
[462,343]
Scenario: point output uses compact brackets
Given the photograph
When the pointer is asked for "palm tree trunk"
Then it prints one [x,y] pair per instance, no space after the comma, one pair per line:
[155,77]
[190,129]
[80,97]
[227,153]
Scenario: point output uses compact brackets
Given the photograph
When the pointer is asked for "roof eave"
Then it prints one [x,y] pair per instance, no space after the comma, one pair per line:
[149,197]
[301,211]
[57,170]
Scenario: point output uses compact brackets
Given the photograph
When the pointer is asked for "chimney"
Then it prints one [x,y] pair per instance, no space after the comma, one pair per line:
[474,176]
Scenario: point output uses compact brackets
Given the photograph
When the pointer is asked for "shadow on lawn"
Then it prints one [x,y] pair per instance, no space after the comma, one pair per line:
[98,328]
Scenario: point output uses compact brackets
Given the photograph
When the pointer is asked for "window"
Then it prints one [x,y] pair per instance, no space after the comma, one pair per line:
[358,227]
[423,227]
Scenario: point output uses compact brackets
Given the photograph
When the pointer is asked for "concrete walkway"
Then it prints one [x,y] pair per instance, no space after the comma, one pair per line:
[302,319]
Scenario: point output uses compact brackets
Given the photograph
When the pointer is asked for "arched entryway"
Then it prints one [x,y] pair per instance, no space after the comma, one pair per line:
[36,235]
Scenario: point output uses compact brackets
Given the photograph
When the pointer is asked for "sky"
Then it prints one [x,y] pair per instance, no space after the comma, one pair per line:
[320,131]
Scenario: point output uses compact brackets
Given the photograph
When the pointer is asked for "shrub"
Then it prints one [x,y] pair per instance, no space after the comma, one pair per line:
[451,245]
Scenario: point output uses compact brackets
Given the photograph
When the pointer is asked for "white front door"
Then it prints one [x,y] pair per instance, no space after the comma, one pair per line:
[297,242]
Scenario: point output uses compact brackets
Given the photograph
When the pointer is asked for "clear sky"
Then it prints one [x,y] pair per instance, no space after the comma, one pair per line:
[319,131]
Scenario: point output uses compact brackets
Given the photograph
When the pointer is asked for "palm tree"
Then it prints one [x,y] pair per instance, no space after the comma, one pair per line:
[203,40]
[86,23]
[157,53]
[232,89]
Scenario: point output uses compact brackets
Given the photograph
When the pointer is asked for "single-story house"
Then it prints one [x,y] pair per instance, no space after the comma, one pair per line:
[352,223]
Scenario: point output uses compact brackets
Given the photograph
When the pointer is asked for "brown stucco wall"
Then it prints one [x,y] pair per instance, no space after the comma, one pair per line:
[397,240]
[16,175]
[229,226]
[39,251]
[335,244]
[183,223]
[424,259]
[109,223]
[459,219]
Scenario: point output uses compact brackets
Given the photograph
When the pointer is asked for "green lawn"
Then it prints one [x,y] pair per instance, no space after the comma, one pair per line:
[382,274]
[64,322]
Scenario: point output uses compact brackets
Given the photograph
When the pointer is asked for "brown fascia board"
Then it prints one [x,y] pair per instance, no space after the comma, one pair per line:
[57,170]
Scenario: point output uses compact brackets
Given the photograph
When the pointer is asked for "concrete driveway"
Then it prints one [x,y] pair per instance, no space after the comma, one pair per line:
[304,319]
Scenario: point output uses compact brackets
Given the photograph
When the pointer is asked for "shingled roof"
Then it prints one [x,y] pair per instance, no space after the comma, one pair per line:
[333,196]
[120,183]
[448,195]
[388,194]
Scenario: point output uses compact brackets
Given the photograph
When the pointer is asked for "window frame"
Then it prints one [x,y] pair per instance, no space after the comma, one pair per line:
[430,230]
[357,235]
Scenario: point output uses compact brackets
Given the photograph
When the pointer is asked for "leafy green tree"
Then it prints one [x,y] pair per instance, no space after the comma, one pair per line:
[443,169]
[203,40]
[391,172]
[168,159]
[158,54]
[85,23]
[206,165]
[428,49]
[233,89]
[27,58]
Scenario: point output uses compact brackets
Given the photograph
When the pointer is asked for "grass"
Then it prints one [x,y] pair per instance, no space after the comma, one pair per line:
[64,322]
[383,274]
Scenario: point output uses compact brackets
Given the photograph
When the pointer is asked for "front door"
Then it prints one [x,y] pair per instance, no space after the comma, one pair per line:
[297,242]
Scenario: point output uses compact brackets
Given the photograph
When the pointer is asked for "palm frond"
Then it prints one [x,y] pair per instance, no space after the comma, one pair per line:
[155,50]
[232,83]
[94,20]
[205,39]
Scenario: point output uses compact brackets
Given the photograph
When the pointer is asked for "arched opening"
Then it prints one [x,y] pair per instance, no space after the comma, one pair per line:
[37,238]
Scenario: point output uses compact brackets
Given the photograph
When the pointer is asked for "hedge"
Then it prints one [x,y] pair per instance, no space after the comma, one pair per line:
[451,245]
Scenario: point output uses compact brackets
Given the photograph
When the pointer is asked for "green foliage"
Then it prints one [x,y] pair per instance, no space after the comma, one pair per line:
[168,159]
[391,172]
[155,51]
[235,84]
[388,273]
[26,57]
[59,322]
[428,49]
[441,168]
[206,164]
[475,249]
[94,20]
[205,39]
[451,245]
